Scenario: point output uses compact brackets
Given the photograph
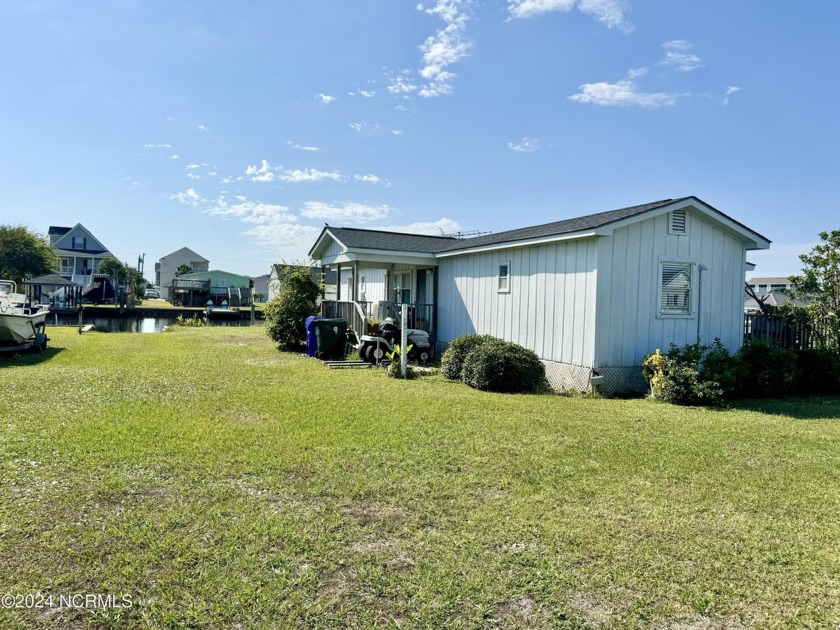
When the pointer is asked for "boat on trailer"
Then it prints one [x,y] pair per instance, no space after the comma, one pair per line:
[21,327]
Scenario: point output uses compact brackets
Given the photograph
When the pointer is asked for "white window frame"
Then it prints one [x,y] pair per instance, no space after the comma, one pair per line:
[691,298]
[503,281]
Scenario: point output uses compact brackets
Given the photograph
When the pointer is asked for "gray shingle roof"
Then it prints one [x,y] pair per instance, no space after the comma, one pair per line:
[355,238]
[588,222]
[53,279]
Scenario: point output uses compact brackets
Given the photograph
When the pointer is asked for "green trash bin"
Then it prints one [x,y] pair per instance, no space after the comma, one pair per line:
[331,338]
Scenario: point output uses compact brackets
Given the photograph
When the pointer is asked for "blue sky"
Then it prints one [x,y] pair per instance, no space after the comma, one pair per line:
[239,129]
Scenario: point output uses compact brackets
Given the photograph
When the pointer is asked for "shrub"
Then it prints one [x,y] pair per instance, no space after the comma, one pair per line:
[500,366]
[285,315]
[694,374]
[818,372]
[768,371]
[452,361]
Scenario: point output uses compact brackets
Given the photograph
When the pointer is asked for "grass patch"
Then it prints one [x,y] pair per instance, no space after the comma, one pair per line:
[220,482]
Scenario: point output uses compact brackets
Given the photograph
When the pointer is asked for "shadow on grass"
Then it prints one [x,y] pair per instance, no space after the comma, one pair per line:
[807,408]
[29,357]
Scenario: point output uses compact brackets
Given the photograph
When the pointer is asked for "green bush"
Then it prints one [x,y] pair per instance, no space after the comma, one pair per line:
[285,315]
[501,366]
[768,371]
[694,374]
[452,361]
[818,372]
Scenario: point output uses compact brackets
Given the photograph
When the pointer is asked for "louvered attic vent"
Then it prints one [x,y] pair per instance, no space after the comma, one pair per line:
[678,222]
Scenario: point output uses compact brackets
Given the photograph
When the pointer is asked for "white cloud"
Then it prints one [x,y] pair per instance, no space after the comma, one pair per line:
[151,145]
[250,211]
[288,240]
[401,85]
[370,178]
[310,175]
[439,52]
[294,145]
[610,13]
[526,145]
[176,157]
[262,173]
[192,175]
[189,198]
[397,132]
[202,127]
[359,127]
[531,8]
[270,225]
[445,48]
[324,99]
[732,89]
[363,93]
[624,92]
[194,165]
[677,57]
[354,212]
[436,228]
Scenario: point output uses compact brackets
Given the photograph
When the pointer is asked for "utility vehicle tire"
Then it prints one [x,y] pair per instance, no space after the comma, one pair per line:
[377,355]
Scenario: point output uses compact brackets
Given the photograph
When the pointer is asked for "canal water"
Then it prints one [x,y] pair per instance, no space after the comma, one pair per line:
[131,324]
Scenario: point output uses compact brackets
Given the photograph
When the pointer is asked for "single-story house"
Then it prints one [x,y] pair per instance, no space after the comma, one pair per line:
[590,295]
[774,299]
[327,277]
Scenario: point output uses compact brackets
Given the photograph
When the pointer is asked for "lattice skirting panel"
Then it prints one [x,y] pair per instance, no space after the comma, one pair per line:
[620,380]
[565,377]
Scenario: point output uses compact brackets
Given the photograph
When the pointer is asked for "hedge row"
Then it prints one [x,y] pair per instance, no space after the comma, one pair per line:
[490,364]
[696,374]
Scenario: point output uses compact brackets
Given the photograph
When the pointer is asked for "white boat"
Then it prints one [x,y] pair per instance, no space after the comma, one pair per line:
[18,324]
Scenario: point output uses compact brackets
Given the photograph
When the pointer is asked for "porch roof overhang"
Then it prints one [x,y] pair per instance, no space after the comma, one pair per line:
[380,257]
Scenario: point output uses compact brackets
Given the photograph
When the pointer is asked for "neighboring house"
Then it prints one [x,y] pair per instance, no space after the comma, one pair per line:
[591,295]
[773,298]
[78,251]
[328,276]
[762,286]
[167,266]
[261,287]
[218,287]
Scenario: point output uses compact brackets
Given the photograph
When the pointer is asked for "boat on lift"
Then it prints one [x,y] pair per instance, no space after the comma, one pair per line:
[20,325]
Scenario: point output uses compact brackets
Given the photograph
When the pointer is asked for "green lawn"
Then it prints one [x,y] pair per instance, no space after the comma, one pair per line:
[223,484]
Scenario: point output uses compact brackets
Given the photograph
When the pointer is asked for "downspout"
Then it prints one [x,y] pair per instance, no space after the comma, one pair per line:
[700,269]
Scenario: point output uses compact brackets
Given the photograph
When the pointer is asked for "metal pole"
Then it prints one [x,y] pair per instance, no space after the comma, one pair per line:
[403,338]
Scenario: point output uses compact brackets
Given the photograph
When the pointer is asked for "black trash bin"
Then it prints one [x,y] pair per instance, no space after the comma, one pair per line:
[331,338]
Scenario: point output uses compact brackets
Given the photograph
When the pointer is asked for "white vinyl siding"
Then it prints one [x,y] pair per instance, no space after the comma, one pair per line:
[550,307]
[374,285]
[630,290]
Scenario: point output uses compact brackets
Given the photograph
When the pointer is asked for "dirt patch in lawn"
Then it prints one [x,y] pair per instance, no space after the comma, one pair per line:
[522,612]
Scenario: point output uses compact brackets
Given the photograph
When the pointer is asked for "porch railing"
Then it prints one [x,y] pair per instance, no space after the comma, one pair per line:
[352,312]
[420,316]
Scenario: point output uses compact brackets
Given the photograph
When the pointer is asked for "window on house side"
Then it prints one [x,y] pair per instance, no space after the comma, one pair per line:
[504,278]
[675,288]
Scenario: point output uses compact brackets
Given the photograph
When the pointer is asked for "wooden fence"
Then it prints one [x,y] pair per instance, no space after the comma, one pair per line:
[783,332]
